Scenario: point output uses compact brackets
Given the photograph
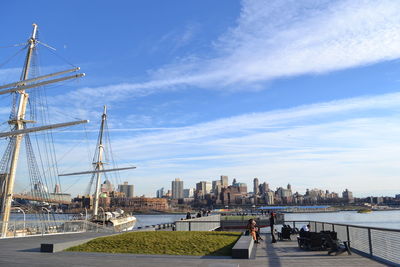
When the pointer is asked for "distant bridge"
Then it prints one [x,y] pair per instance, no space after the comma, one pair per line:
[40,199]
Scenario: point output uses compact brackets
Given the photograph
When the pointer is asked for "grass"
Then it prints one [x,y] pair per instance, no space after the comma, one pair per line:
[171,243]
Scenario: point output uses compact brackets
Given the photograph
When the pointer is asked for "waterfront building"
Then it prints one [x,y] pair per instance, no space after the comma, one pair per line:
[348,196]
[224,181]
[57,189]
[188,193]
[263,188]
[177,189]
[203,187]
[216,187]
[256,189]
[107,187]
[160,193]
[234,194]
[285,195]
[270,198]
[127,189]
[139,204]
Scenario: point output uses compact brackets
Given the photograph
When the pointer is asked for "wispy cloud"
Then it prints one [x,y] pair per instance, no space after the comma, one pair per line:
[275,39]
[311,145]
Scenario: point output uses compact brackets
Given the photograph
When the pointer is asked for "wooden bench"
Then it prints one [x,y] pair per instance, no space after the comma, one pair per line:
[243,248]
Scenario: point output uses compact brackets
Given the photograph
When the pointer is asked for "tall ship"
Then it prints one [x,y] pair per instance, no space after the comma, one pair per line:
[117,219]
[28,130]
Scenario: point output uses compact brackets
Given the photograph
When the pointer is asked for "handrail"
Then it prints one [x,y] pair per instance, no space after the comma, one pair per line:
[352,225]
[381,244]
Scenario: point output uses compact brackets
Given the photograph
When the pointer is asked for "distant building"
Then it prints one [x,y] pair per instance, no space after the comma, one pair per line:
[397,196]
[348,196]
[263,188]
[270,198]
[203,188]
[177,189]
[256,189]
[57,189]
[188,193]
[216,187]
[107,187]
[224,181]
[127,189]
[160,193]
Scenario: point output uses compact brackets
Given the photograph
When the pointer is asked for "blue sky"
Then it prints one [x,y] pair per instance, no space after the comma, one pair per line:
[300,92]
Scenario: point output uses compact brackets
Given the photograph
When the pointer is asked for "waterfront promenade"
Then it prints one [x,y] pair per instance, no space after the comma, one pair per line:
[25,252]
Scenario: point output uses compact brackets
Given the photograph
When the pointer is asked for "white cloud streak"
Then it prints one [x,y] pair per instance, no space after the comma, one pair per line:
[307,146]
[275,39]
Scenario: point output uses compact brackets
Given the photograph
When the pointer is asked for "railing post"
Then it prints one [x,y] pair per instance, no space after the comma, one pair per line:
[370,241]
[333,227]
[323,226]
[190,226]
[348,233]
[315,226]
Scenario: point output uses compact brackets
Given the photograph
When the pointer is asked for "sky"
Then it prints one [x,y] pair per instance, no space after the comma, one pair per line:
[300,92]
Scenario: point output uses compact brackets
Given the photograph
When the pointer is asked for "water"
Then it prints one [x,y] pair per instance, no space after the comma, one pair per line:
[142,219]
[383,219]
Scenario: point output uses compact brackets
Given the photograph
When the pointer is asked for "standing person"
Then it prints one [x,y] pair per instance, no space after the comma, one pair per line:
[188,216]
[271,224]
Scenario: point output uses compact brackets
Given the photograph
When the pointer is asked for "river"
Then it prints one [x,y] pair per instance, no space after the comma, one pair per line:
[383,219]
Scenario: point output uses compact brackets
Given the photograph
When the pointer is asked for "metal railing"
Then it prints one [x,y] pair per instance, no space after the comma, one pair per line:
[381,244]
[35,228]
[207,223]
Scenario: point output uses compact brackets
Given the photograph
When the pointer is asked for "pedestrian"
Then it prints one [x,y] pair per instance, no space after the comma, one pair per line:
[188,216]
[271,224]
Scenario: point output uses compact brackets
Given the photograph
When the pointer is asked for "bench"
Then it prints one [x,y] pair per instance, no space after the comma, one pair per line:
[243,248]
[325,240]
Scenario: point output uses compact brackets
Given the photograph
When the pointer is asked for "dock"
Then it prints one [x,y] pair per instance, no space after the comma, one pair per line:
[25,252]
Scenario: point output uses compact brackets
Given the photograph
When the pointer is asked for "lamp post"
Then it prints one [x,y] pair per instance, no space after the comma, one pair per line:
[23,212]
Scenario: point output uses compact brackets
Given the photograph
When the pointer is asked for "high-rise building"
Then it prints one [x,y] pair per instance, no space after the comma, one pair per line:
[160,193]
[270,198]
[216,186]
[203,188]
[57,189]
[224,181]
[188,193]
[255,187]
[127,189]
[177,189]
[348,196]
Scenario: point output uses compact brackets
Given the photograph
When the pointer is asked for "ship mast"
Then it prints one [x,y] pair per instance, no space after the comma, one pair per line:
[99,164]
[19,122]
[19,125]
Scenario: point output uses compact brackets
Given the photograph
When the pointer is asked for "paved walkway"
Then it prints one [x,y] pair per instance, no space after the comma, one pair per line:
[25,252]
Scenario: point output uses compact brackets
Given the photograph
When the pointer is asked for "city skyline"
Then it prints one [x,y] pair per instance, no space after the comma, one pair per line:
[303,92]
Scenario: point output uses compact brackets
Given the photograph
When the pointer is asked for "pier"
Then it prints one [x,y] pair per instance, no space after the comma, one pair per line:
[370,247]
[25,251]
